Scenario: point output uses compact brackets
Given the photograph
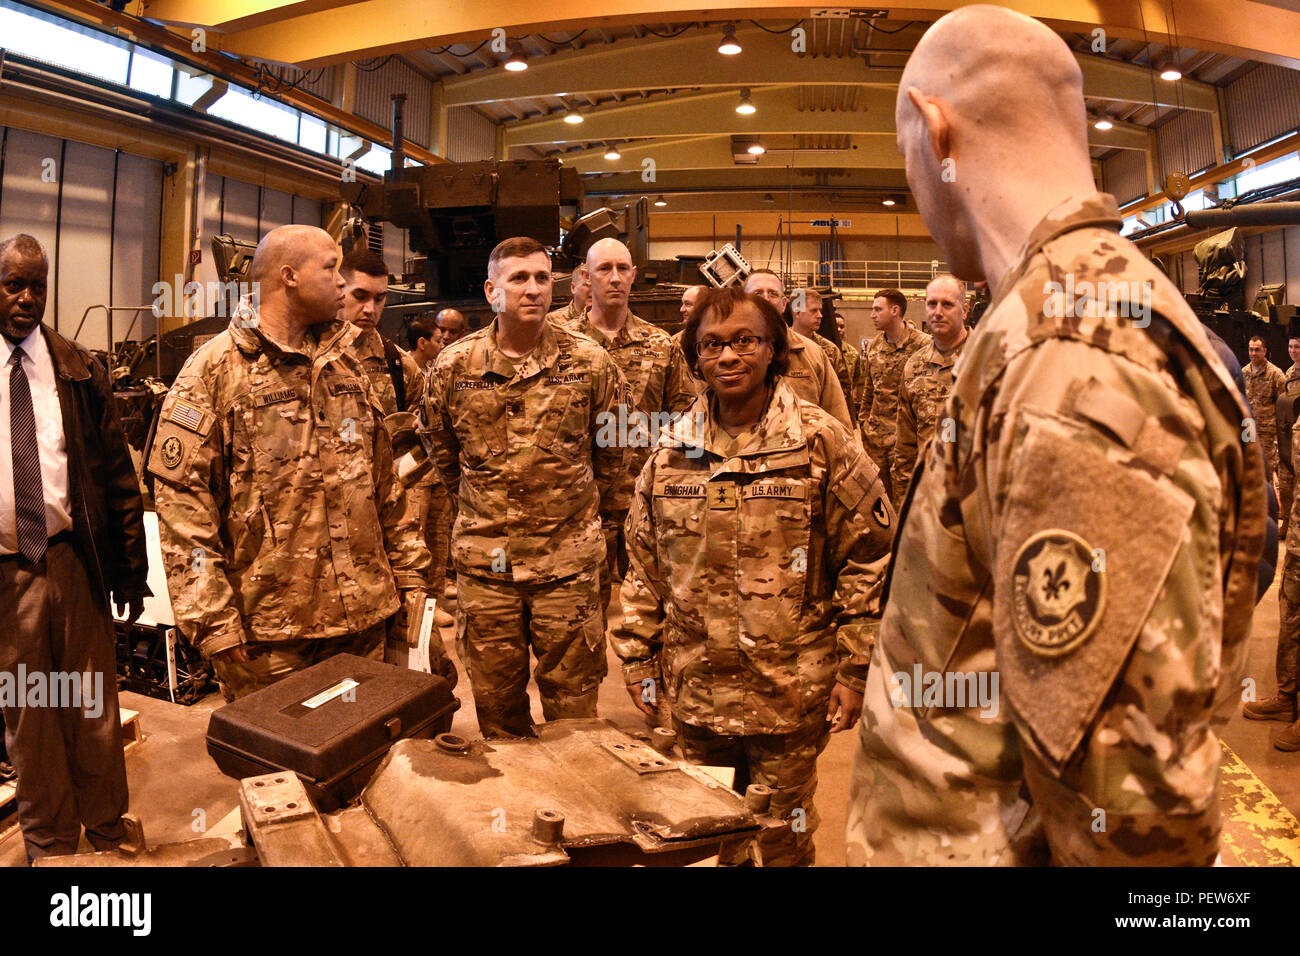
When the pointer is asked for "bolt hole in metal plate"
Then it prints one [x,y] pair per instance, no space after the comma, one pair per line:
[639,757]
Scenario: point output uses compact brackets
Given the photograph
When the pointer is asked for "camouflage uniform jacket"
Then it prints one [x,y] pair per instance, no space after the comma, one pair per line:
[836,355]
[1074,450]
[278,509]
[927,380]
[368,347]
[1263,386]
[1291,386]
[857,374]
[655,372]
[565,316]
[516,441]
[811,373]
[756,565]
[878,407]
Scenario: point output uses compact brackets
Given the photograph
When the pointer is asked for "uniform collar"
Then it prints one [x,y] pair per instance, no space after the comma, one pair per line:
[543,356]
[779,429]
[1093,211]
[908,335]
[938,357]
[635,329]
[319,338]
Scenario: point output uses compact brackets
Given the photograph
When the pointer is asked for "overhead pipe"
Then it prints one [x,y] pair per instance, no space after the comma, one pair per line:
[1253,214]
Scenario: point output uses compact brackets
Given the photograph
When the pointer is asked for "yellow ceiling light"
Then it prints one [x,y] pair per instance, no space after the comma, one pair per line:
[516,63]
[729,46]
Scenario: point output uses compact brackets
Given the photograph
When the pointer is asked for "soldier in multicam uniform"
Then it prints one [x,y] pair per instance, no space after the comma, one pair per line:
[1286,417]
[806,309]
[285,535]
[758,538]
[513,412]
[895,342]
[392,372]
[927,378]
[1265,383]
[808,369]
[1092,537]
[853,361]
[428,495]
[1282,705]
[449,327]
[580,288]
[656,375]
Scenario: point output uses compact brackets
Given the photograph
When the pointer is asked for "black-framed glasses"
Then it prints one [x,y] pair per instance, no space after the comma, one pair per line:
[741,345]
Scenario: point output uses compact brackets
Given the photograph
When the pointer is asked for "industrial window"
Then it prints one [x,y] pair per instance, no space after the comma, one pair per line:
[151,73]
[265,116]
[63,44]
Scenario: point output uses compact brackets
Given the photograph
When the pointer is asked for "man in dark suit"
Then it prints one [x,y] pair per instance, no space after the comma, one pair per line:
[71,535]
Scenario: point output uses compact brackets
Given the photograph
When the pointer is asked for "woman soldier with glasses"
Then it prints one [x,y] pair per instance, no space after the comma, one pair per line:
[758,538]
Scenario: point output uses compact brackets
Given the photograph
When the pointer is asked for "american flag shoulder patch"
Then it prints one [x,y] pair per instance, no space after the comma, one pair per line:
[188,416]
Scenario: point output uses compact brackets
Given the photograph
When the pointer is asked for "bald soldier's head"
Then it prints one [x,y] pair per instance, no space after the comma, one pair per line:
[298,281]
[609,267]
[991,121]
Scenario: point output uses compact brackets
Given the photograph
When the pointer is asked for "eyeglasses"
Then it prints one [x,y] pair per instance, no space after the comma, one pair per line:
[741,345]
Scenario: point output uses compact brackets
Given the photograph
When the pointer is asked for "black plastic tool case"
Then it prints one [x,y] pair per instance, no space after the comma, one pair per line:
[330,724]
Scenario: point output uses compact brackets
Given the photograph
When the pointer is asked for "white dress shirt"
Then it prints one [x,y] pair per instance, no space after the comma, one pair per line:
[39,366]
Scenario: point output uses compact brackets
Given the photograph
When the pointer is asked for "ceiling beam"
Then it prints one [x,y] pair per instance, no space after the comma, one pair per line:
[714,152]
[778,113]
[776,180]
[688,60]
[315,32]
[1105,79]
[777,107]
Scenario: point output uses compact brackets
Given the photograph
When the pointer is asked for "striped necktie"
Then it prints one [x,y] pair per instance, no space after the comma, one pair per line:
[29,494]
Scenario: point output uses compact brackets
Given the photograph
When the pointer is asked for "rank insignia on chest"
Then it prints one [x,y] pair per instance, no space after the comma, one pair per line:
[722,494]
[1057,597]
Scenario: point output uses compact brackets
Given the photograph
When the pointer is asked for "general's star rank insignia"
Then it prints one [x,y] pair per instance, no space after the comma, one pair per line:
[1056,597]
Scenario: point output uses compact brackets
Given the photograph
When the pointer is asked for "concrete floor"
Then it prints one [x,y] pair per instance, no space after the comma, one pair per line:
[178,792]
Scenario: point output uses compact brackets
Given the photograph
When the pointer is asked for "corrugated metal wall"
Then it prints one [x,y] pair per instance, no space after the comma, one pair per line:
[319,82]
[98,215]
[374,102]
[1124,175]
[1262,105]
[1186,144]
[471,136]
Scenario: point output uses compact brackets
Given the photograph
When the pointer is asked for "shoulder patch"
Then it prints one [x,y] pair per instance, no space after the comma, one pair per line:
[173,447]
[190,416]
[1057,598]
[1074,516]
